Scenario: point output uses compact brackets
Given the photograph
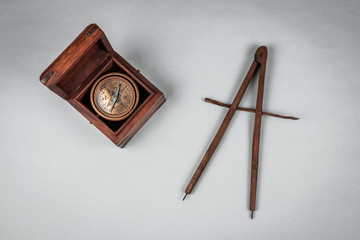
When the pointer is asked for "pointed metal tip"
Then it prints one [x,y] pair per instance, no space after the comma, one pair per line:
[185,196]
[252,214]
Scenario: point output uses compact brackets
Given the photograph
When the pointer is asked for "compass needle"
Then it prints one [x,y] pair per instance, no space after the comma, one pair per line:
[115,97]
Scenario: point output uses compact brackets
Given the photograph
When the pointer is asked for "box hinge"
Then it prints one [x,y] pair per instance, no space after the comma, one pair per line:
[47,77]
[92,30]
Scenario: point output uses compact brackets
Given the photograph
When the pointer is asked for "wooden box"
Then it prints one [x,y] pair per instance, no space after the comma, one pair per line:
[73,73]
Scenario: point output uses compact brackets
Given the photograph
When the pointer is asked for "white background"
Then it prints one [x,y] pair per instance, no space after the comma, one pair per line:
[61,178]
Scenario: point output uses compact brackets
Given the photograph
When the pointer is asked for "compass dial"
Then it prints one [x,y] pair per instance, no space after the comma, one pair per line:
[114,96]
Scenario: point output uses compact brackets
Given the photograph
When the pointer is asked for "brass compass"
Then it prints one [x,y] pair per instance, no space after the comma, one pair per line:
[114,96]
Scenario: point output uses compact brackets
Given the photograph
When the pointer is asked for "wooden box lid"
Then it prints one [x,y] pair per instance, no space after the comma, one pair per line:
[91,46]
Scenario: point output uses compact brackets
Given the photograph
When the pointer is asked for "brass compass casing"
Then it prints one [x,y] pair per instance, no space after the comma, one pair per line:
[114,96]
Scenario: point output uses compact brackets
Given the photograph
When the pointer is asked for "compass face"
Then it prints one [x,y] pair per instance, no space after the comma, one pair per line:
[114,96]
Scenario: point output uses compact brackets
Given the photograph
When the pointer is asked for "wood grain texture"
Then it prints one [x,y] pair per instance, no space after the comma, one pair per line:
[260,58]
[70,58]
[88,57]
[208,100]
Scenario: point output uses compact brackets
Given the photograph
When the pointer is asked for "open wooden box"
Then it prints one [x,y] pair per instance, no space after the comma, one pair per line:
[87,58]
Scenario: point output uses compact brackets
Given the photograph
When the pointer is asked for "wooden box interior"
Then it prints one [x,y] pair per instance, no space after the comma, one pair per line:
[72,77]
[83,97]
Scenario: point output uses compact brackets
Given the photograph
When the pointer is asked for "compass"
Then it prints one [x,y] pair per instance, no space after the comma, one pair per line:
[114,96]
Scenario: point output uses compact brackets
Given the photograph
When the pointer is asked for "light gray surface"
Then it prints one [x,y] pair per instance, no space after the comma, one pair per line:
[60,178]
